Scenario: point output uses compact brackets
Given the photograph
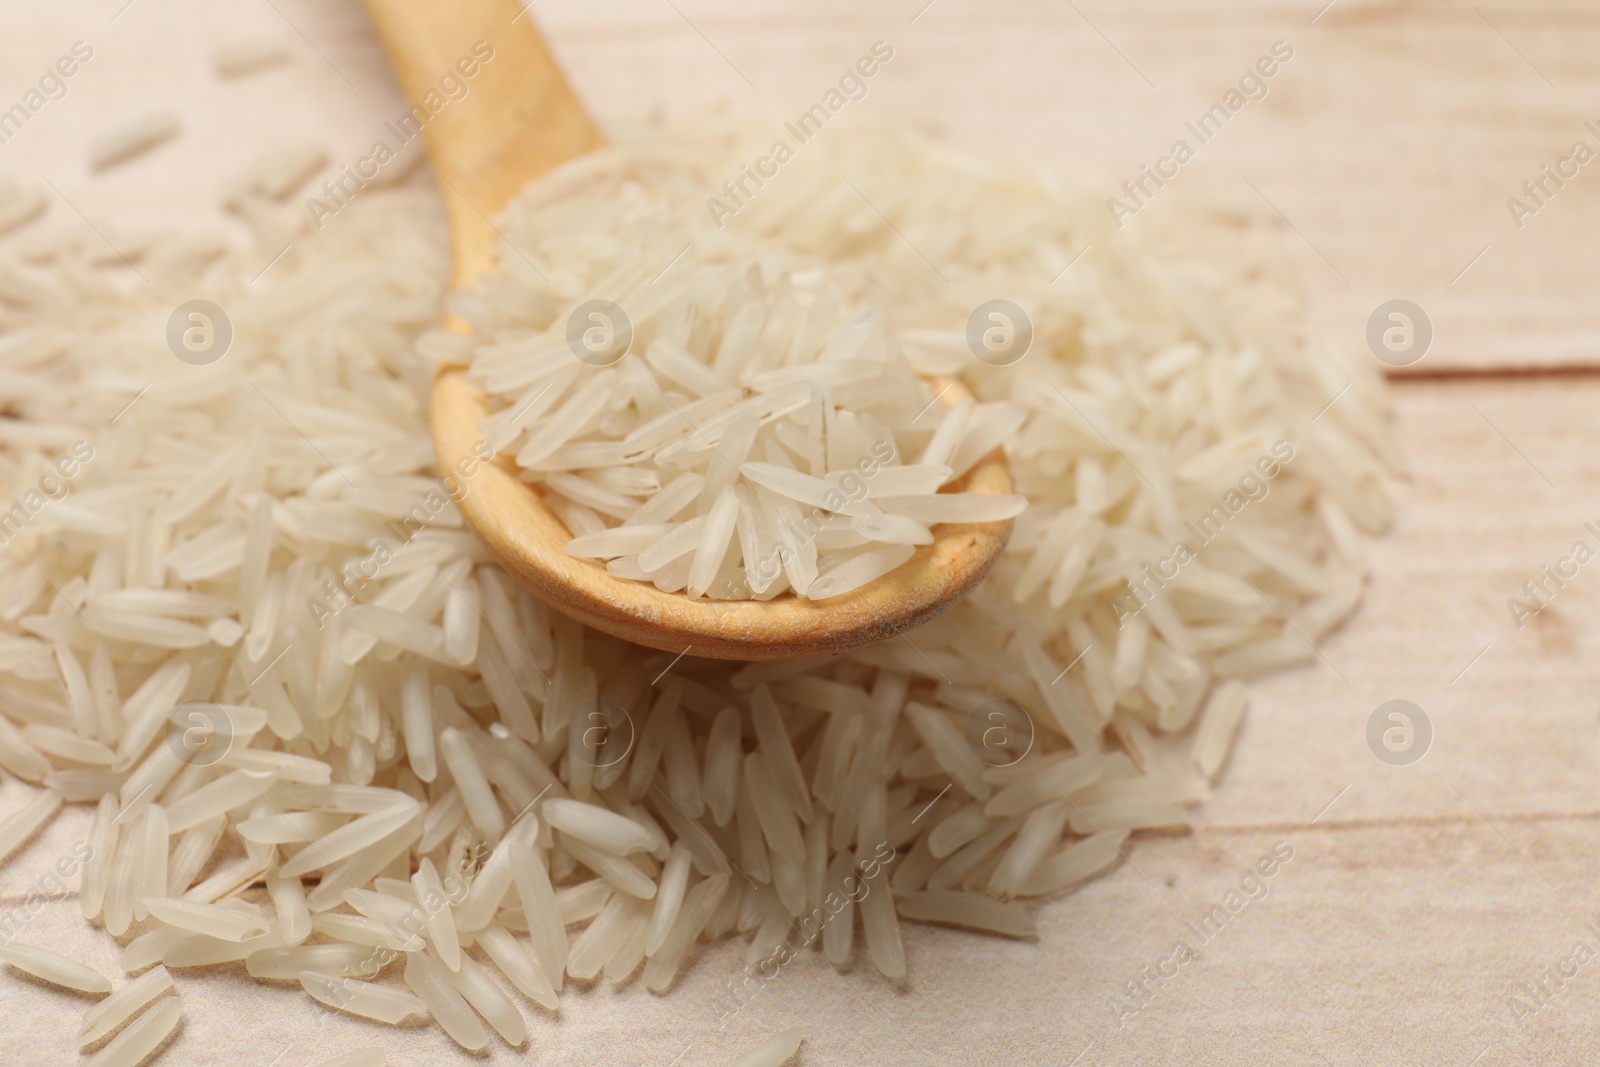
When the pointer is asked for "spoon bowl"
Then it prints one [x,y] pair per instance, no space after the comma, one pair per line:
[522,121]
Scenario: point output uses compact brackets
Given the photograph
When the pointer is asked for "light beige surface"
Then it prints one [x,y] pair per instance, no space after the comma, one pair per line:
[1423,897]
[1391,142]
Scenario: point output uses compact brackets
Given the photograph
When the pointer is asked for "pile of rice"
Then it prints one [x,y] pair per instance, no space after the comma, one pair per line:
[337,745]
[762,388]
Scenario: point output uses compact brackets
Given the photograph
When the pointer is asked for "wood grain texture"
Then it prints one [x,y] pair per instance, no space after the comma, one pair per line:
[1418,904]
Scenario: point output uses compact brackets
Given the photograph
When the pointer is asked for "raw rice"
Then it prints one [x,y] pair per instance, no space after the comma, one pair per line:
[285,963]
[514,962]
[441,924]
[21,825]
[142,1037]
[448,1008]
[399,720]
[133,138]
[54,967]
[206,919]
[360,998]
[598,826]
[486,998]
[975,910]
[774,1051]
[247,57]
[1213,737]
[108,1015]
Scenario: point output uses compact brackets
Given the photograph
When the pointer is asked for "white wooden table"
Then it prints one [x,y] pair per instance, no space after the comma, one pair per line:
[1423,897]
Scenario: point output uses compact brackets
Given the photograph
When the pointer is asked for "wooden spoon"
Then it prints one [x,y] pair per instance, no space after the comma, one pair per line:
[518,120]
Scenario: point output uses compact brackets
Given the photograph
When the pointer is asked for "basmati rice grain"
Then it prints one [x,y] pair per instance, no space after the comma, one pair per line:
[518,966]
[192,854]
[488,890]
[131,139]
[882,928]
[350,839]
[285,962]
[958,828]
[476,793]
[598,826]
[952,751]
[1126,815]
[683,770]
[19,757]
[54,741]
[601,938]
[226,793]
[104,691]
[1064,778]
[753,857]
[228,879]
[461,616]
[614,869]
[582,902]
[630,953]
[289,902]
[106,1016]
[669,897]
[55,968]
[911,873]
[283,766]
[720,780]
[480,991]
[146,711]
[545,928]
[777,750]
[698,905]
[154,857]
[448,1008]
[147,949]
[774,1051]
[247,57]
[380,906]
[210,920]
[1073,863]
[202,951]
[777,819]
[102,842]
[973,910]
[360,998]
[142,1037]
[296,828]
[416,716]
[19,206]
[1041,830]
[839,934]
[21,826]
[789,880]
[440,921]
[1219,722]
[360,930]
[441,819]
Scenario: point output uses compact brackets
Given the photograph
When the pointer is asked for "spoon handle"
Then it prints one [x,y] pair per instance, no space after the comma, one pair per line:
[517,119]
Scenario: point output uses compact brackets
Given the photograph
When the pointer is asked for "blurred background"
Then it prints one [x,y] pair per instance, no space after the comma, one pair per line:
[1388,146]
[1383,154]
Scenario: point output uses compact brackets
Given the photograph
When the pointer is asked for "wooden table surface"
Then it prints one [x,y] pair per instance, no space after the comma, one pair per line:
[1421,899]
